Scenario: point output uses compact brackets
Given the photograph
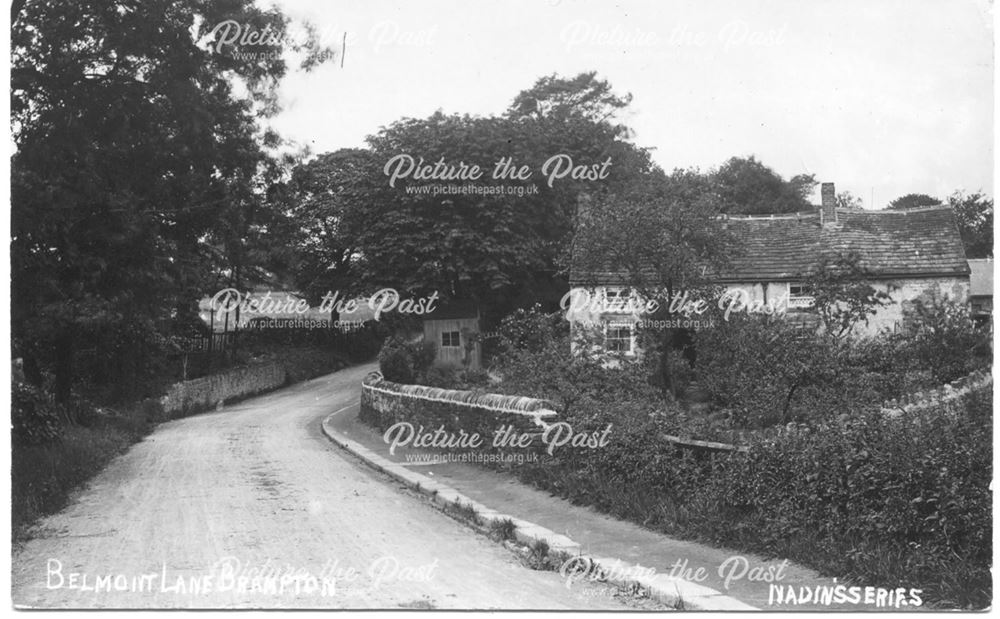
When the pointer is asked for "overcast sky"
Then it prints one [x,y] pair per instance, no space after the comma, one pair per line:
[890,96]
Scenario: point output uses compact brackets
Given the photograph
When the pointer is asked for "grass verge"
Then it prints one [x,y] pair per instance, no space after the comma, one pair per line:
[44,476]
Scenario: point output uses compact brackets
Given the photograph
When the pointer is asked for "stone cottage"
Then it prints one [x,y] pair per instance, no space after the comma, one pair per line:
[911,255]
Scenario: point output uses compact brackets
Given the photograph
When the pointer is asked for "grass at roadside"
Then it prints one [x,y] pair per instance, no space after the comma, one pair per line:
[44,476]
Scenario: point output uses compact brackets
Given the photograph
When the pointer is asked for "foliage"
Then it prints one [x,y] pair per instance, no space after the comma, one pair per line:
[528,330]
[898,503]
[44,475]
[353,229]
[582,97]
[943,339]
[34,419]
[662,235]
[538,361]
[747,186]
[842,296]
[846,199]
[772,371]
[320,198]
[913,200]
[139,164]
[503,530]
[974,213]
[403,361]
[767,371]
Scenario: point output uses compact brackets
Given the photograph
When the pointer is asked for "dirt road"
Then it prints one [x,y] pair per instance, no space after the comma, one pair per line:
[251,507]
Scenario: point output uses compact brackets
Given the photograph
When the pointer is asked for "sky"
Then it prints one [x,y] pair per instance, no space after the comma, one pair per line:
[880,97]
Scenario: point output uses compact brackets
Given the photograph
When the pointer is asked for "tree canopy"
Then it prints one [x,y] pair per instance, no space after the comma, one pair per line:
[582,97]
[140,162]
[497,243]
[747,186]
[974,213]
[913,200]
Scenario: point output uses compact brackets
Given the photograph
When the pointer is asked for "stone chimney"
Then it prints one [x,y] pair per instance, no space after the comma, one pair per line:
[828,212]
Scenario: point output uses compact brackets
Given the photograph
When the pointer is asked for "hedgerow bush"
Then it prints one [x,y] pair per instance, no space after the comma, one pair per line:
[33,415]
[890,502]
[54,449]
[884,502]
[943,340]
[767,371]
[452,376]
[401,361]
[539,360]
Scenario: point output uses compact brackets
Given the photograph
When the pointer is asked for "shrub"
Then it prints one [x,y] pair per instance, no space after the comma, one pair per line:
[889,502]
[943,339]
[528,330]
[503,530]
[539,362]
[886,502]
[474,378]
[768,371]
[34,416]
[43,473]
[405,362]
[443,377]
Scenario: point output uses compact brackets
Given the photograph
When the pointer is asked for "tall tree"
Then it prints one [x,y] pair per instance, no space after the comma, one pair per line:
[583,96]
[138,164]
[325,198]
[974,213]
[846,199]
[665,238]
[498,242]
[913,200]
[747,186]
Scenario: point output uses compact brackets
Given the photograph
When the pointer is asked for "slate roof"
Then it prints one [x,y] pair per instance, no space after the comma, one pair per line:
[920,242]
[981,278]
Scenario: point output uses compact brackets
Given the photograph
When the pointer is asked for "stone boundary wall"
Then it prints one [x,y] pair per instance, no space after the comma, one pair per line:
[915,402]
[384,403]
[201,394]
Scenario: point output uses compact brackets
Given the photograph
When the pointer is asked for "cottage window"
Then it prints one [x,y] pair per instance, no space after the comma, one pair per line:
[612,300]
[800,296]
[618,337]
[450,339]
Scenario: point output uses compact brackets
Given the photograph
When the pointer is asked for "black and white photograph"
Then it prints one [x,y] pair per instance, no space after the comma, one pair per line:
[501,305]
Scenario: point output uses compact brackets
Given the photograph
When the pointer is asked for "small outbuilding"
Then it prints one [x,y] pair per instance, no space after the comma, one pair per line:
[981,289]
[452,326]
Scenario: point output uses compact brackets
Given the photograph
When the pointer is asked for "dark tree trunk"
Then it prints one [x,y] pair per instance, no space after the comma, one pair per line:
[788,403]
